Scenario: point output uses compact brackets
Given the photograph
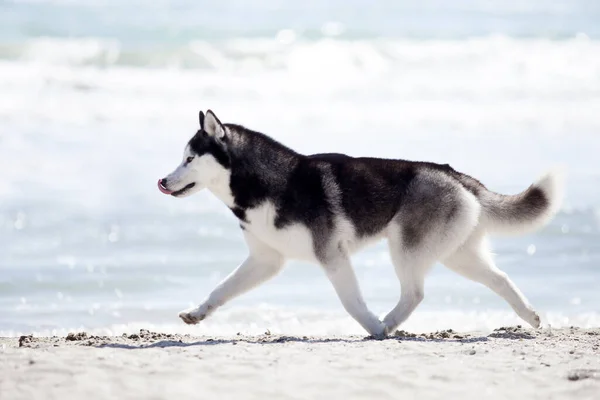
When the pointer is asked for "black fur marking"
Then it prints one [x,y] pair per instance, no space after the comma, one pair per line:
[202,144]
[201,120]
[410,235]
[525,206]
[240,213]
[303,198]
[372,190]
[432,202]
[259,168]
[468,182]
[266,170]
[528,205]
[535,200]
[185,189]
[452,212]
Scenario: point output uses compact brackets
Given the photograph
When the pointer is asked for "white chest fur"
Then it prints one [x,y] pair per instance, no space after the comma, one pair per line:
[293,241]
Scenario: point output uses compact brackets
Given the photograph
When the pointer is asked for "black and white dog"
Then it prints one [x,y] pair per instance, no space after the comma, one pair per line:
[322,208]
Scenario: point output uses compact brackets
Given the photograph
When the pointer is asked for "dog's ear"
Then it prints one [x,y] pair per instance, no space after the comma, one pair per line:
[201,118]
[213,126]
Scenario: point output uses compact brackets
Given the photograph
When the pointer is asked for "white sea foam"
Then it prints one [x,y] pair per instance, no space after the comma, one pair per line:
[91,114]
[406,92]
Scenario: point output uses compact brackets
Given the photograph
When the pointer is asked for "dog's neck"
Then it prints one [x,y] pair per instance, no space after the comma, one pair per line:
[257,169]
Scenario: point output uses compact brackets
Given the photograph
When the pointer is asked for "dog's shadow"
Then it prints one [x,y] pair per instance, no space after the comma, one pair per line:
[277,340]
[216,342]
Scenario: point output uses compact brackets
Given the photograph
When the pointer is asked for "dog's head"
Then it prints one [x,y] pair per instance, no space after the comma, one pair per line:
[205,160]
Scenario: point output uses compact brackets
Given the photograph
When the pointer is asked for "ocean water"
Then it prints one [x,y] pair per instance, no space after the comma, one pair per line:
[98,98]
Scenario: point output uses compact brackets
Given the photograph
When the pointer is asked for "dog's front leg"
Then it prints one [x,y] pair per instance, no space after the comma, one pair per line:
[262,263]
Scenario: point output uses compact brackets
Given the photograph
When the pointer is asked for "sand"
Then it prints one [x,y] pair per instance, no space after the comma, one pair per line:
[510,362]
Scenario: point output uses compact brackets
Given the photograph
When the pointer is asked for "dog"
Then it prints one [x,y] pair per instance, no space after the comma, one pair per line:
[322,208]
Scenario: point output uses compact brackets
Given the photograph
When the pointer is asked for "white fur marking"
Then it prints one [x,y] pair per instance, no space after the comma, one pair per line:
[293,241]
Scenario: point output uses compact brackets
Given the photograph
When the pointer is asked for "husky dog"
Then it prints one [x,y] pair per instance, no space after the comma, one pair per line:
[322,208]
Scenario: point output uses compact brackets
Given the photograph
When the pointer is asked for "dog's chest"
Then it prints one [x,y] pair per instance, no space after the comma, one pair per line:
[294,241]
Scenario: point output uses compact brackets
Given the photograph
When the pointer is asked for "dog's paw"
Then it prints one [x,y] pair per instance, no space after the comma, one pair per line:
[379,332]
[379,336]
[192,316]
[532,318]
[535,320]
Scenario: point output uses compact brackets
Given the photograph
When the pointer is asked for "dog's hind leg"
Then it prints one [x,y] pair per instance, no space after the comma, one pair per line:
[339,271]
[437,217]
[411,269]
[262,263]
[474,261]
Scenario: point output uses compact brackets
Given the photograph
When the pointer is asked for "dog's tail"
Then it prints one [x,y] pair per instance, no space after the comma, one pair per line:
[526,211]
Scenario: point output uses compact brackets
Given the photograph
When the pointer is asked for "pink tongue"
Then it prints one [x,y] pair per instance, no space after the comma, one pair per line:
[162,188]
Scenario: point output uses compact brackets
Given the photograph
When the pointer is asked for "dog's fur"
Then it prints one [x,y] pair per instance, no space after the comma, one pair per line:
[324,207]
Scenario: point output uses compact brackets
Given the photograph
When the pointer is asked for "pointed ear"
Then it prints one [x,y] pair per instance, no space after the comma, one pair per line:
[201,118]
[213,126]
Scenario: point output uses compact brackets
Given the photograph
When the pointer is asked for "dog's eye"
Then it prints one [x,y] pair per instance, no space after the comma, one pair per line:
[189,160]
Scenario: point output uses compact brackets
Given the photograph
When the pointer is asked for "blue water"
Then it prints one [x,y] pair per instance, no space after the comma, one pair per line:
[97,99]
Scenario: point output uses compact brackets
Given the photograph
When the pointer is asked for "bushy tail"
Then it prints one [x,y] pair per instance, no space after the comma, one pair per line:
[526,211]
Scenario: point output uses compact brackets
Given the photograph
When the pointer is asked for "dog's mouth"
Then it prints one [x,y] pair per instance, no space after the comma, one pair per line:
[185,189]
[175,193]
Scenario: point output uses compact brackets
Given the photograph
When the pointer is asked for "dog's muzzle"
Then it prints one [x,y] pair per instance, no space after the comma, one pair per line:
[162,186]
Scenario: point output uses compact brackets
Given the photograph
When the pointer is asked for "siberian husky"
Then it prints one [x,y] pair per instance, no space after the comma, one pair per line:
[322,208]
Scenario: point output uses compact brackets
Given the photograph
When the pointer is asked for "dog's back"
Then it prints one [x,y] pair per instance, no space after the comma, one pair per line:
[372,192]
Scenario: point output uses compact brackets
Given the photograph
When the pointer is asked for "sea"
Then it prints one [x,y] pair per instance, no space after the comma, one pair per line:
[99,97]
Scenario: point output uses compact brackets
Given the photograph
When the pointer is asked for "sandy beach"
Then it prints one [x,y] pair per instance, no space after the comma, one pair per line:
[511,362]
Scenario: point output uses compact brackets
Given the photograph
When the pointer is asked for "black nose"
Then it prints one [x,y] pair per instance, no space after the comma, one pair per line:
[163,182]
